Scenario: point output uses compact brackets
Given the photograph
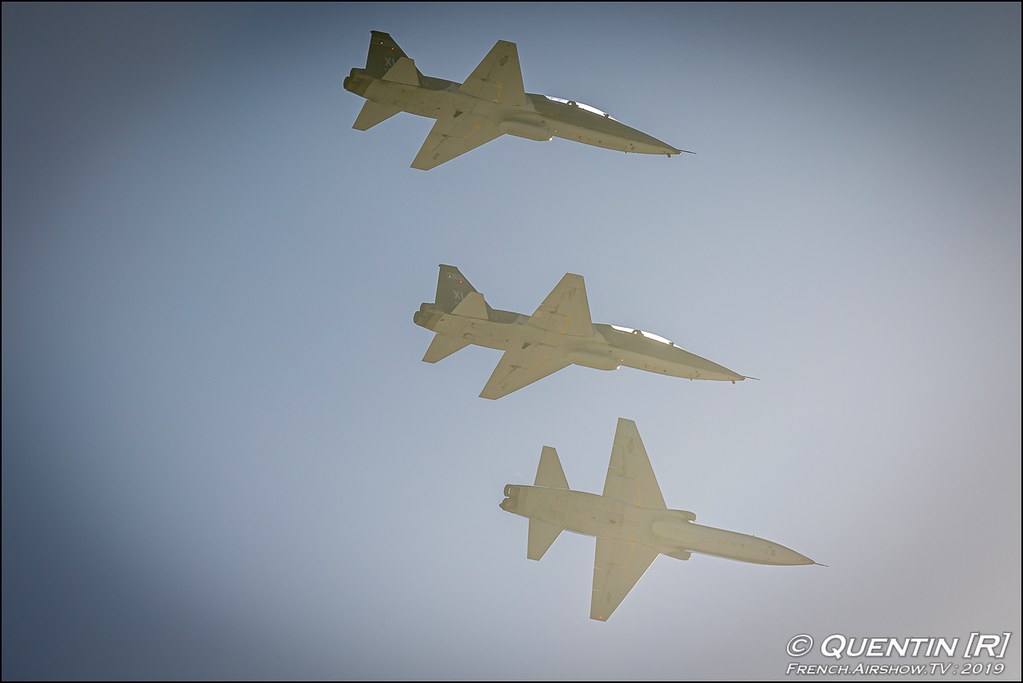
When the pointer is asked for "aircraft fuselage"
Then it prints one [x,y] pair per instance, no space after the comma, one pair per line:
[607,348]
[541,118]
[669,532]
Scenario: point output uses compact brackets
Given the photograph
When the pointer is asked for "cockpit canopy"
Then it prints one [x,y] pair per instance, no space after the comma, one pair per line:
[648,335]
[586,107]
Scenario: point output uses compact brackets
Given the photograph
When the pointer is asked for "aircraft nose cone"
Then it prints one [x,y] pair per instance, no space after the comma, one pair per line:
[787,556]
[794,558]
[647,144]
[665,148]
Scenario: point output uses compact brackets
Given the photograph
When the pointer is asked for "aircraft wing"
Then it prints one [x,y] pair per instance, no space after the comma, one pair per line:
[630,478]
[498,77]
[566,309]
[519,367]
[619,564]
[452,136]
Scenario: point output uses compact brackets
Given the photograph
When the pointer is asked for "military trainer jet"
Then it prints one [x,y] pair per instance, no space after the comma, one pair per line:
[630,520]
[558,334]
[489,104]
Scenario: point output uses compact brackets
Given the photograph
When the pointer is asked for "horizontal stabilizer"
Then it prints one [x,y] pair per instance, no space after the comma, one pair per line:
[472,306]
[372,114]
[404,72]
[541,536]
[549,472]
[441,347]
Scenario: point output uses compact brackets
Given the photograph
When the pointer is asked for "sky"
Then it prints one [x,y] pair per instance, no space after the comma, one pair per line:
[223,457]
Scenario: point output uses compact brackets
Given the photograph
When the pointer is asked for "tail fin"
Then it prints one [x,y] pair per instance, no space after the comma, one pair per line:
[452,288]
[383,54]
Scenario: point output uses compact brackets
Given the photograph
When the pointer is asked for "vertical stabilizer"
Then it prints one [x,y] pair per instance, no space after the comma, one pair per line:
[452,287]
[383,54]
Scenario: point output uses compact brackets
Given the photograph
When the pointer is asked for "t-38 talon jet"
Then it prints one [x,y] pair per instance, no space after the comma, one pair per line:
[489,104]
[558,334]
[630,520]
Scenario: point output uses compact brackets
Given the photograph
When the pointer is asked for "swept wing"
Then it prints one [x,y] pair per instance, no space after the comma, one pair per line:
[619,563]
[617,567]
[520,367]
[630,478]
[452,136]
[498,77]
[565,312]
[566,309]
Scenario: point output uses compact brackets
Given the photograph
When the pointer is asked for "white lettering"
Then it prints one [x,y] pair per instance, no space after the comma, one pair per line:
[826,646]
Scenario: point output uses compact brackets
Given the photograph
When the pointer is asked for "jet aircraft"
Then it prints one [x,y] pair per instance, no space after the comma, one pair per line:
[558,334]
[489,104]
[630,520]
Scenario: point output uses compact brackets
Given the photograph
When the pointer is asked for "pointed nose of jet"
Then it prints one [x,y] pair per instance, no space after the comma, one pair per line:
[656,146]
[652,145]
[638,141]
[793,558]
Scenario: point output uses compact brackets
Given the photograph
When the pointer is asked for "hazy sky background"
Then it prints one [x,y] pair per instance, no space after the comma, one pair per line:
[222,456]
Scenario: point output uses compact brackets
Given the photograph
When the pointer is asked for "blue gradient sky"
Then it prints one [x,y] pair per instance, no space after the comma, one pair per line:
[222,456]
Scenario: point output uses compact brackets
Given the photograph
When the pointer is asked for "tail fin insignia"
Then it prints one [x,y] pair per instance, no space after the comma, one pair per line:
[451,288]
[383,53]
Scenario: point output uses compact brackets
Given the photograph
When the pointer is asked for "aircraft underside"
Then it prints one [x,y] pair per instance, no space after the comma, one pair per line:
[490,103]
